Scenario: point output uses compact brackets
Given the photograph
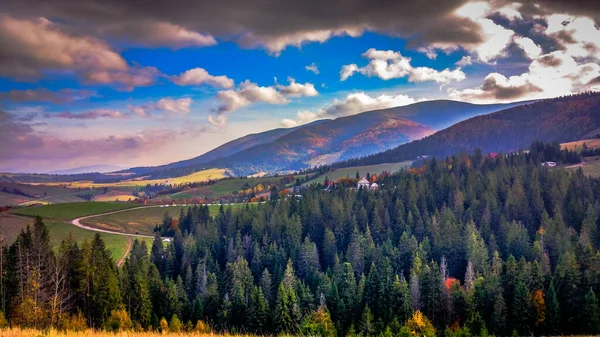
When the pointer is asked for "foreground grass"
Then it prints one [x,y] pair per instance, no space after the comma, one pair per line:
[16,332]
[69,211]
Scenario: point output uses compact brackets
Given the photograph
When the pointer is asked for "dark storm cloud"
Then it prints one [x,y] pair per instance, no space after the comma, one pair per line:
[261,22]
[550,60]
[589,8]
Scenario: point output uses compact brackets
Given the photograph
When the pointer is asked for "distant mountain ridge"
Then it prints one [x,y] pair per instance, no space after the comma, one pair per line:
[101,168]
[561,119]
[329,141]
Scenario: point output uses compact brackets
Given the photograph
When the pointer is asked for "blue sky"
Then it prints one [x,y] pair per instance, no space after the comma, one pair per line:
[82,90]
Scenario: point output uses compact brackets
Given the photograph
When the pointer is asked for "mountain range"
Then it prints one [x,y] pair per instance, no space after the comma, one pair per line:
[561,119]
[328,141]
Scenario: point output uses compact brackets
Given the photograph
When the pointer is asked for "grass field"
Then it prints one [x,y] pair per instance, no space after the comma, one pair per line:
[363,170]
[69,211]
[223,187]
[578,145]
[9,199]
[591,167]
[139,221]
[11,225]
[191,178]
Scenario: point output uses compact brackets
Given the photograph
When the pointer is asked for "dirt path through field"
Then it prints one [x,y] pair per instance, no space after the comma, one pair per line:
[122,259]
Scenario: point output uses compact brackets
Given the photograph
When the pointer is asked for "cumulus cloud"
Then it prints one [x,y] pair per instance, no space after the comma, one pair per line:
[353,104]
[549,75]
[579,36]
[530,48]
[32,47]
[312,67]
[465,61]
[174,106]
[199,76]
[249,92]
[388,64]
[45,95]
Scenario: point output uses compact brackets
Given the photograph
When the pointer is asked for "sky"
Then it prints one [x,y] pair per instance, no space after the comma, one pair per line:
[128,83]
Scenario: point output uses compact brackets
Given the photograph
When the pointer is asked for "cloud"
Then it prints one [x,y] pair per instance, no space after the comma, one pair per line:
[25,148]
[297,89]
[529,47]
[169,106]
[465,61]
[32,48]
[158,34]
[199,76]
[388,64]
[313,67]
[579,36]
[249,92]
[273,27]
[90,114]
[174,106]
[353,104]
[549,75]
[45,95]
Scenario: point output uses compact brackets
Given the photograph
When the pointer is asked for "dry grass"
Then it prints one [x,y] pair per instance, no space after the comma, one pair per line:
[17,332]
[200,176]
[578,145]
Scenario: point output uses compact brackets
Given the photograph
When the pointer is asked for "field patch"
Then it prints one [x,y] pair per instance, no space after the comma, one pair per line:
[590,166]
[11,225]
[69,211]
[140,220]
[362,170]
[578,145]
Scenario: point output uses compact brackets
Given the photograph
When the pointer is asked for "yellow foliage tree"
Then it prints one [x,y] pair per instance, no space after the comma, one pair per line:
[164,325]
[419,325]
[202,327]
[539,305]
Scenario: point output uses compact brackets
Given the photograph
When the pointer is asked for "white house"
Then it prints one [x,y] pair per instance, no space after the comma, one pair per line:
[374,186]
[362,183]
[549,164]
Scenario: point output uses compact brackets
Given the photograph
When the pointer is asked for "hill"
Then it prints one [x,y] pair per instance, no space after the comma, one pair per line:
[562,119]
[352,136]
[103,168]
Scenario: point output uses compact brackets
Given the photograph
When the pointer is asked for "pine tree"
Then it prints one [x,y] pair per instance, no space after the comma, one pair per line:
[521,309]
[591,314]
[552,311]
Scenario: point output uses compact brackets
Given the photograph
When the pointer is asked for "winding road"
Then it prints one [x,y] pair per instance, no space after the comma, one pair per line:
[77,222]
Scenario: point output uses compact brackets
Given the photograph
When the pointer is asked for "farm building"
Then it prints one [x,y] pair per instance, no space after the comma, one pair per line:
[549,164]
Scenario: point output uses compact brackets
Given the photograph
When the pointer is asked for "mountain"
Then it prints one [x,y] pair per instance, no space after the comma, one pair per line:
[352,136]
[561,119]
[102,168]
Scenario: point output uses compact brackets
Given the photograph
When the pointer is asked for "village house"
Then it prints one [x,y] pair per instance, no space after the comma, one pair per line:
[374,186]
[549,164]
[364,183]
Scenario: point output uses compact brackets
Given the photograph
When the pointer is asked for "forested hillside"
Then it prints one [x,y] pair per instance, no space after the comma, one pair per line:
[493,245]
[562,119]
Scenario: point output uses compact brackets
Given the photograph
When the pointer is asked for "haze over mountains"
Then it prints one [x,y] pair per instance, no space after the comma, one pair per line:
[328,141]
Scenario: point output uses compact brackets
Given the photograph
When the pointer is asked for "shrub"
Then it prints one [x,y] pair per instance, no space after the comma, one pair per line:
[318,323]
[3,321]
[202,327]
[175,325]
[71,322]
[119,320]
[164,326]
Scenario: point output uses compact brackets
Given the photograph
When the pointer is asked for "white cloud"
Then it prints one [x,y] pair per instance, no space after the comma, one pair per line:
[312,67]
[199,76]
[297,89]
[388,64]
[353,104]
[156,34]
[531,49]
[174,106]
[549,75]
[465,61]
[580,36]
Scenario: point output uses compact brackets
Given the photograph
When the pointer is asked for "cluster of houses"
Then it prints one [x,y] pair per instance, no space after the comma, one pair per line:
[364,183]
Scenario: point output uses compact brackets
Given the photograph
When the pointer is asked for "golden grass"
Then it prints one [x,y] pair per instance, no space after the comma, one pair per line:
[17,332]
[578,145]
[200,176]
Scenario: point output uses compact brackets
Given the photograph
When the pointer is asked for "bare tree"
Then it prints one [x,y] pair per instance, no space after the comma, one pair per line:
[61,298]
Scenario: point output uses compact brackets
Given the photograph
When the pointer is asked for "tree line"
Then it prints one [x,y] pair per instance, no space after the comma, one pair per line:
[465,245]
